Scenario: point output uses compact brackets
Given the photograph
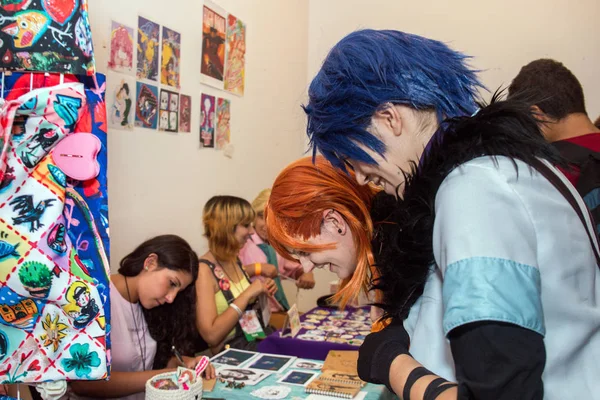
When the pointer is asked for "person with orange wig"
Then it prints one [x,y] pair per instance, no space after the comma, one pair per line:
[320,216]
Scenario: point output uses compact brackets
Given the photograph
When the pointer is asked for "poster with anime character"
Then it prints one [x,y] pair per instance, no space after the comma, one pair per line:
[236,56]
[46,35]
[207,121]
[185,113]
[120,96]
[212,67]
[120,56]
[223,129]
[147,49]
[146,106]
[171,55]
[169,111]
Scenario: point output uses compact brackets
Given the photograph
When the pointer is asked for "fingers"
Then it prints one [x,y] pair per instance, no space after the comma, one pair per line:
[209,372]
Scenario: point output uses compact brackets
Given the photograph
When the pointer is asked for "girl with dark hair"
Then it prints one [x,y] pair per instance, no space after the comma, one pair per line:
[150,303]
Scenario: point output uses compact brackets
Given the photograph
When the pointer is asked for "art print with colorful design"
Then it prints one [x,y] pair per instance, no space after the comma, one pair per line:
[120,57]
[223,128]
[236,56]
[146,106]
[169,111]
[120,99]
[147,49]
[171,56]
[54,246]
[46,35]
[207,121]
[212,67]
[185,113]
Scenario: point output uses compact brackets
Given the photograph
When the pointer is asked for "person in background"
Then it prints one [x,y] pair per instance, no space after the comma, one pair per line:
[560,106]
[260,260]
[223,290]
[156,274]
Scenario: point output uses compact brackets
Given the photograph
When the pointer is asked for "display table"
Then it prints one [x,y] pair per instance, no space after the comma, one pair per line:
[322,330]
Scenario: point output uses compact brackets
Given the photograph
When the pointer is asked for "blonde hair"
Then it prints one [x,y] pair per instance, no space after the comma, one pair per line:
[221,216]
[260,202]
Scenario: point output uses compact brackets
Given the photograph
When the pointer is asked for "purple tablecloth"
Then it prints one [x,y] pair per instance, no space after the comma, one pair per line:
[322,330]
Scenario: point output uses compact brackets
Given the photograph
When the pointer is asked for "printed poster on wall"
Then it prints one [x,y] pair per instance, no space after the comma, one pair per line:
[120,96]
[207,121]
[120,57]
[185,113]
[223,129]
[212,66]
[169,111]
[146,106]
[147,49]
[236,56]
[171,56]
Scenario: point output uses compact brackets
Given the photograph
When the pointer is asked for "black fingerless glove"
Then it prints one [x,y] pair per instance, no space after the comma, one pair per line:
[379,350]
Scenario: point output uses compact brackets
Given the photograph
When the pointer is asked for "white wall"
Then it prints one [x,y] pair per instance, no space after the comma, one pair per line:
[159,182]
[502,36]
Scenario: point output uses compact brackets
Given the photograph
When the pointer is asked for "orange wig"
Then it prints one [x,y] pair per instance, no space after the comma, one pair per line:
[294,214]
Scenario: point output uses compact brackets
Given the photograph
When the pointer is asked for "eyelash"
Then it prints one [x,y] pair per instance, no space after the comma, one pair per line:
[173,284]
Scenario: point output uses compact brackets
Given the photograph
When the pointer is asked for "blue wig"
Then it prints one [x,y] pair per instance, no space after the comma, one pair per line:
[368,69]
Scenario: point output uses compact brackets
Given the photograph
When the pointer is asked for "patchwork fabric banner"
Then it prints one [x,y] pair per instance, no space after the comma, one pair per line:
[46,36]
[54,245]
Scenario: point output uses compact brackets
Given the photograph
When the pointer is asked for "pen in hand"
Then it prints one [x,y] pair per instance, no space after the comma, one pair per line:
[178,356]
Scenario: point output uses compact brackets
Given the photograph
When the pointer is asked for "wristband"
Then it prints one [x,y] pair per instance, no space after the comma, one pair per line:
[257,269]
[237,309]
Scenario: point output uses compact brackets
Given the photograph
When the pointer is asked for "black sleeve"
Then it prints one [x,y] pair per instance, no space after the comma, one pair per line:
[495,360]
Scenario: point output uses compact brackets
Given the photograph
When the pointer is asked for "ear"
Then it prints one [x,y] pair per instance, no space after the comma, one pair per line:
[334,223]
[540,115]
[151,262]
[389,116]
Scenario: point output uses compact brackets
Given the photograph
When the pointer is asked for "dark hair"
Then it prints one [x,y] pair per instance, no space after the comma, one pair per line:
[551,81]
[597,123]
[125,87]
[169,324]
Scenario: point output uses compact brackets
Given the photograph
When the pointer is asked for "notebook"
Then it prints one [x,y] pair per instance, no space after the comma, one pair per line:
[360,396]
[340,367]
[326,388]
[342,377]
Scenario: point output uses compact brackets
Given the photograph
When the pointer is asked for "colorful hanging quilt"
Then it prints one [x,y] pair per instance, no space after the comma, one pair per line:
[46,36]
[54,246]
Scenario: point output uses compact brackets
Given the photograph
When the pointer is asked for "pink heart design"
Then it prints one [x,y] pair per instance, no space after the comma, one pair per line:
[76,156]
[60,10]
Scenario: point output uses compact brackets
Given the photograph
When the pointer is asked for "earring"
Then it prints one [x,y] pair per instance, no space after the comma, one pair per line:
[146,268]
[340,230]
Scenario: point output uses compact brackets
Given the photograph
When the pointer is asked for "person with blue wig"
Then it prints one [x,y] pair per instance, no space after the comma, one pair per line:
[487,257]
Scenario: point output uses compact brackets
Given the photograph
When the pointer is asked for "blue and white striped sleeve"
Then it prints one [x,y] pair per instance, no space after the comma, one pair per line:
[485,245]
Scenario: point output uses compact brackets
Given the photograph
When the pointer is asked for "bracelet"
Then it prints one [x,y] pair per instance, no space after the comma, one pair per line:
[257,269]
[237,309]
[414,376]
[431,393]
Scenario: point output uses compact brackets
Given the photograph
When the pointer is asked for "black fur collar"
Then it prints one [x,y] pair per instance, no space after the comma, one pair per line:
[402,244]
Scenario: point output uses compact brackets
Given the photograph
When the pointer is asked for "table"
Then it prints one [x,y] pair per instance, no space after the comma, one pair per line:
[322,330]
[373,392]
